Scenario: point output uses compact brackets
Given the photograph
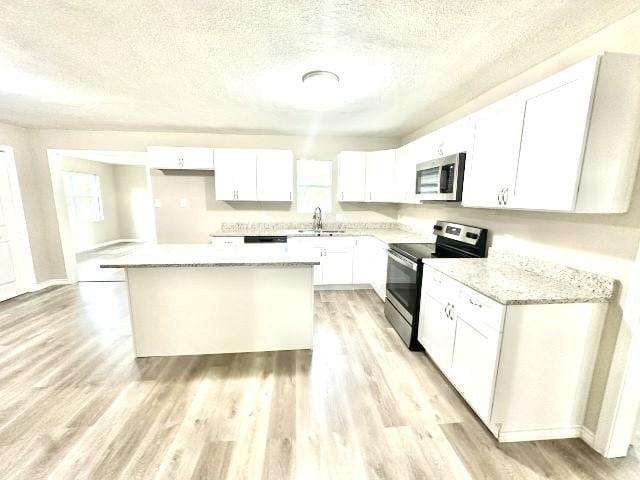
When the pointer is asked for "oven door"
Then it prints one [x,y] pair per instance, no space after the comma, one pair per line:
[402,284]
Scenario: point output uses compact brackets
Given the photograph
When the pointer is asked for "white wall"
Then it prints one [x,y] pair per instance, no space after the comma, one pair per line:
[132,199]
[606,244]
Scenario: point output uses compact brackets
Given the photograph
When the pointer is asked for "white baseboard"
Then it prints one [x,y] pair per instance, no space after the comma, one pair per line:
[109,243]
[531,433]
[588,436]
[50,283]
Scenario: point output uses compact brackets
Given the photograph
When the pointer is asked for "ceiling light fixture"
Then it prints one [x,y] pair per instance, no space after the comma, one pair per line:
[321,89]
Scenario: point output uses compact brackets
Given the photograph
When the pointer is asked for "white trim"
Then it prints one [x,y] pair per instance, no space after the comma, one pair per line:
[28,271]
[98,246]
[49,283]
[544,432]
[588,436]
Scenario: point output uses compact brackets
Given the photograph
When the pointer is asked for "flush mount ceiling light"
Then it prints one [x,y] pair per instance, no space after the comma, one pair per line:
[321,88]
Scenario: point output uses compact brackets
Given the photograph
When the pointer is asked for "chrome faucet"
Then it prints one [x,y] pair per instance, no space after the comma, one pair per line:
[317,219]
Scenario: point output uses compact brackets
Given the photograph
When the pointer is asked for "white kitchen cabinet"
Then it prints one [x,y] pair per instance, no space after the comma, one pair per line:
[577,148]
[379,256]
[436,330]
[406,174]
[362,253]
[492,163]
[336,258]
[226,241]
[453,138]
[524,369]
[380,176]
[352,176]
[474,361]
[274,175]
[180,158]
[235,174]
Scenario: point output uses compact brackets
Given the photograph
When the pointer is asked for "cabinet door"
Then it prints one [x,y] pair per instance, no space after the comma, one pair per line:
[362,262]
[553,138]
[337,268]
[474,365]
[454,138]
[274,175]
[436,331]
[351,176]
[380,176]
[196,158]
[406,174]
[491,166]
[235,174]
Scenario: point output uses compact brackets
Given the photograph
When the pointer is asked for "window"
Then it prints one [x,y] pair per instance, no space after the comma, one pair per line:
[314,186]
[84,202]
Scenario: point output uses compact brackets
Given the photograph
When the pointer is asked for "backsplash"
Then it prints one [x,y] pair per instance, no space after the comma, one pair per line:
[279,226]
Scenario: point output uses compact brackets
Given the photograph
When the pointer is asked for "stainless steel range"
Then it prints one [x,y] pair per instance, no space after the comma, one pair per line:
[404,272]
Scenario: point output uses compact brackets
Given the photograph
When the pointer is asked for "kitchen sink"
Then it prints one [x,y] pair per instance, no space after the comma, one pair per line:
[314,233]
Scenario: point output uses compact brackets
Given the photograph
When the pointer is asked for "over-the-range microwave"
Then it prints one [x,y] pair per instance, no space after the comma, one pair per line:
[441,178]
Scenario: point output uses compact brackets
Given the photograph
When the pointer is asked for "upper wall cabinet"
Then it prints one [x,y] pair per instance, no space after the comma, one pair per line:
[367,176]
[235,176]
[351,176]
[253,175]
[180,158]
[406,173]
[380,176]
[576,133]
[454,138]
[274,175]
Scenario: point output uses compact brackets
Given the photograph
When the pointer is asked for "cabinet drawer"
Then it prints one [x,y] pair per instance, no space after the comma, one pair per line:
[226,241]
[479,311]
[437,285]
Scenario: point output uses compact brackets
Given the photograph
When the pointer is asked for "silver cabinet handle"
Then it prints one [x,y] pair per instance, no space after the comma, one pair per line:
[475,304]
[446,310]
[501,197]
[451,312]
[342,195]
[505,196]
[498,196]
[290,194]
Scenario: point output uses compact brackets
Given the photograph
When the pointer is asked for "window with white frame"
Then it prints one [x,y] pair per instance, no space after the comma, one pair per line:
[84,201]
[314,182]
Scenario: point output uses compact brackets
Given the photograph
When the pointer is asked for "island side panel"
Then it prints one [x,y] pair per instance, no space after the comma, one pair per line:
[207,310]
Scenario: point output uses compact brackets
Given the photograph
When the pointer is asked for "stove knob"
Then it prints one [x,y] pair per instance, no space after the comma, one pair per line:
[473,236]
[437,227]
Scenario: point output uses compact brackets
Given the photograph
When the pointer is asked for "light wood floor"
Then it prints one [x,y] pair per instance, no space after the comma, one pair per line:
[75,404]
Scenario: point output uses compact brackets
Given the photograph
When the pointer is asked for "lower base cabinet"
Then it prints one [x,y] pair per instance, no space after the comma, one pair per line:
[348,261]
[524,369]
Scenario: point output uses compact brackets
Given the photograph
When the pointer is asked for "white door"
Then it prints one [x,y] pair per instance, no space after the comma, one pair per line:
[362,268]
[274,174]
[553,138]
[491,167]
[14,245]
[380,176]
[338,267]
[351,177]
[436,331]
[235,174]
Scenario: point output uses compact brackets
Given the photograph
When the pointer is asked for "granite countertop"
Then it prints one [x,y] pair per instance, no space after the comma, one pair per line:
[525,282]
[209,256]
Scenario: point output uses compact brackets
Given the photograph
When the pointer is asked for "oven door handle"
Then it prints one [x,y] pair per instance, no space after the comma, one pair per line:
[407,263]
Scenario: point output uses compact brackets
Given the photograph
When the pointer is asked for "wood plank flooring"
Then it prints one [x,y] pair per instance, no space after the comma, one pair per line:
[75,404]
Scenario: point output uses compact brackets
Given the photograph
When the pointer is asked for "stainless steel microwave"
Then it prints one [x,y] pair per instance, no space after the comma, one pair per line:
[441,178]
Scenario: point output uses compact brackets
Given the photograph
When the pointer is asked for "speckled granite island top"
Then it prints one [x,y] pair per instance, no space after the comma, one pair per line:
[209,256]
[516,280]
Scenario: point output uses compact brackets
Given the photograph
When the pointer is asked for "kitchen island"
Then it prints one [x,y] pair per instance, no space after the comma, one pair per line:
[201,299]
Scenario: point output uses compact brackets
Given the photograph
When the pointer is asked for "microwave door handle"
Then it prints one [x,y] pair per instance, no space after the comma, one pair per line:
[403,261]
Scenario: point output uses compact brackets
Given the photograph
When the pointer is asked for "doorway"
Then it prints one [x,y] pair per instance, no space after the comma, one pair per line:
[16,266]
[103,200]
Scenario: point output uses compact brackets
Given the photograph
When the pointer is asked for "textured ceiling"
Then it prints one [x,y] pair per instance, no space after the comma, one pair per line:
[235,66]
